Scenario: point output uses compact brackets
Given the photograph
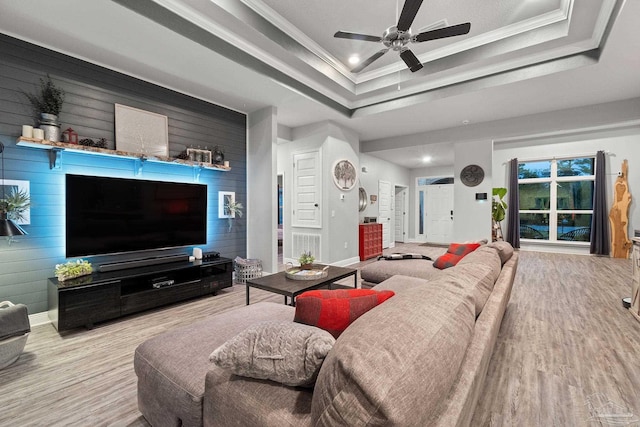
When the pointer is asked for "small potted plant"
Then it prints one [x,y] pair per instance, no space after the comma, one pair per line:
[73,269]
[306,260]
[47,104]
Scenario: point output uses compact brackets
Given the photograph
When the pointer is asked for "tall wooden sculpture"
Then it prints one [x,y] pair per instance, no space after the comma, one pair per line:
[619,215]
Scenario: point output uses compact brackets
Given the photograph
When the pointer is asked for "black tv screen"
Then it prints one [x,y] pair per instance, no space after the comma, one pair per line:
[113,215]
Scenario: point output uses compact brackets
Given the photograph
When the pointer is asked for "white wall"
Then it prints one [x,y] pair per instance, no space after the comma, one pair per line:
[339,216]
[472,218]
[622,144]
[377,170]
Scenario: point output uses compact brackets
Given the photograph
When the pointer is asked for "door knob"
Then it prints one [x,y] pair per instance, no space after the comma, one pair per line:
[316,205]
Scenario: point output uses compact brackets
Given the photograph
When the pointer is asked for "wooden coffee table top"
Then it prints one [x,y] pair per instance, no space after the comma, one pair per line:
[279,283]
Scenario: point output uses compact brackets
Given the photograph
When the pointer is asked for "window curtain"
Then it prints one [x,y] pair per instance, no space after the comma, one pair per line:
[599,220]
[513,202]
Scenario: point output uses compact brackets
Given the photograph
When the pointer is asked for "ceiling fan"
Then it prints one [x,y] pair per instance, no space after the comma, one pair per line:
[399,36]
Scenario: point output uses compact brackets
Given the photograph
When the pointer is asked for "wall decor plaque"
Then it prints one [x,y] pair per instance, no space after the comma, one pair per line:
[472,175]
[344,175]
[142,132]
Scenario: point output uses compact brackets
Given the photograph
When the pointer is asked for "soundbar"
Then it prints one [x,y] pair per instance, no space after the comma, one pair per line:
[114,266]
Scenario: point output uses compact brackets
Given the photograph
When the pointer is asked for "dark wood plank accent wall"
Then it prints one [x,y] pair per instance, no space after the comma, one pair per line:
[91,92]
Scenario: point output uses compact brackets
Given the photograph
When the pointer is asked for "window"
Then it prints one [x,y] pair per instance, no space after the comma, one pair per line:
[556,199]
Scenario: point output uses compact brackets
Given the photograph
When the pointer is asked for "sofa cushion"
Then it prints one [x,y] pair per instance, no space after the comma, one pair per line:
[379,271]
[454,254]
[505,250]
[334,310]
[478,272]
[286,352]
[395,365]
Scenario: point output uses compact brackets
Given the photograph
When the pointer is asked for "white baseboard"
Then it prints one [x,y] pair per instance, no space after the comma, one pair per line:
[41,318]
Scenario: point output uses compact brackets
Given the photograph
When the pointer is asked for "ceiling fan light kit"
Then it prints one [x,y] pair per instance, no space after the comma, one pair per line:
[399,36]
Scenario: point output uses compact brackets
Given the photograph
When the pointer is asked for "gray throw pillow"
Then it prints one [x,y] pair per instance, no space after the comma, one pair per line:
[286,352]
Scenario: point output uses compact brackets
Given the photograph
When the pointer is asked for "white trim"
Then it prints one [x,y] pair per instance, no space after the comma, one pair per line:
[38,319]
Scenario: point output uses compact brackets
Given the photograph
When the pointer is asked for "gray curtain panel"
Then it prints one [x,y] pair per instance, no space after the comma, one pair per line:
[513,209]
[599,220]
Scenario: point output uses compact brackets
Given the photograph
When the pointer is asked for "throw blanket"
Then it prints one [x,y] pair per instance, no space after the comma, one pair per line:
[394,257]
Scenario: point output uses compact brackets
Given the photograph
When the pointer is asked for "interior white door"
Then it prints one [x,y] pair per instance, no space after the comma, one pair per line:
[439,213]
[384,211]
[400,216]
[307,190]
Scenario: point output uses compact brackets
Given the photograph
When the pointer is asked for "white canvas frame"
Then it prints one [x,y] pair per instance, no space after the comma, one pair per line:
[9,185]
[141,132]
[224,198]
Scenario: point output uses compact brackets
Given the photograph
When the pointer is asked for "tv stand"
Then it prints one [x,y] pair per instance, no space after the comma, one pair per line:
[103,296]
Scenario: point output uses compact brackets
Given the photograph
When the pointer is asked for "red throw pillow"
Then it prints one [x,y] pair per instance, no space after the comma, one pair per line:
[334,310]
[454,254]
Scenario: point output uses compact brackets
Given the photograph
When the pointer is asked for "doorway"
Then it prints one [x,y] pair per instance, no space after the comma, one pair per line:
[434,201]
[401,224]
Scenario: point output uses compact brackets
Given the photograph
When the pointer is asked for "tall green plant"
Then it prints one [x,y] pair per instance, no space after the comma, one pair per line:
[498,205]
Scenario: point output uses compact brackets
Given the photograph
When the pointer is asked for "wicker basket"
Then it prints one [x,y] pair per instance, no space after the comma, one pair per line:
[11,349]
[246,269]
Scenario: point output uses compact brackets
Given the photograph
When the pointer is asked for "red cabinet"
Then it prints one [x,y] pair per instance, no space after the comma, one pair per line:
[370,240]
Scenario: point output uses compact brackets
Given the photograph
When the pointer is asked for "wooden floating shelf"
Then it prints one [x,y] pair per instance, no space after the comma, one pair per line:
[57,147]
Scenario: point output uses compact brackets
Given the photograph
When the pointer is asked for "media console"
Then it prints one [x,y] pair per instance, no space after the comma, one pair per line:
[102,296]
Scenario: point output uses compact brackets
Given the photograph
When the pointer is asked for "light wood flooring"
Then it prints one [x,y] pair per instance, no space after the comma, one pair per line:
[568,354]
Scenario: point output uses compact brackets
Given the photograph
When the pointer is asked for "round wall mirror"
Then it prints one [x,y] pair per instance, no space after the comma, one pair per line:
[363,200]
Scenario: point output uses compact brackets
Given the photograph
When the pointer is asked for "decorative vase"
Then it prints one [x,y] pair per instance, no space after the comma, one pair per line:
[306,266]
[218,157]
[49,124]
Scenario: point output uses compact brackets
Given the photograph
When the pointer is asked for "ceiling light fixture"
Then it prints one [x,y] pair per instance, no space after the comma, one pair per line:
[426,159]
[354,59]
[7,226]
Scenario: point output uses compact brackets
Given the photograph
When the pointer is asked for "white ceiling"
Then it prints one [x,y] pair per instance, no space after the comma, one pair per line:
[521,57]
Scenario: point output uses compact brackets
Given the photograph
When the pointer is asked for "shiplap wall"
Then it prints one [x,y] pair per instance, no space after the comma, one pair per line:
[91,92]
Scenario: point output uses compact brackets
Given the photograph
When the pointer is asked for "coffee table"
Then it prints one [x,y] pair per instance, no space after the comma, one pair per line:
[279,283]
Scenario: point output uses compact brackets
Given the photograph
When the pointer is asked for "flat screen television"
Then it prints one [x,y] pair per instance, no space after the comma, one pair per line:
[113,215]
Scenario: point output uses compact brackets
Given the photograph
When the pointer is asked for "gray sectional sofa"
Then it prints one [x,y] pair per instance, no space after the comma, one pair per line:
[418,359]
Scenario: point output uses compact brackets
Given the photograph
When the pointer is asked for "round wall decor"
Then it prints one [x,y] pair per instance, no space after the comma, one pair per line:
[472,175]
[344,175]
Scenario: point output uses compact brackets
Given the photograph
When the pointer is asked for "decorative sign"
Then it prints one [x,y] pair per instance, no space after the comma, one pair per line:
[225,198]
[142,132]
[344,175]
[472,175]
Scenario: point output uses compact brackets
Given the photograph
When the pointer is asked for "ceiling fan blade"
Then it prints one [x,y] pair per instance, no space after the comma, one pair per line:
[408,14]
[454,30]
[411,60]
[364,64]
[356,36]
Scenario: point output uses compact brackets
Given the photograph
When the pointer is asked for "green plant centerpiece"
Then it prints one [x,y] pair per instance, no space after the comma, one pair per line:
[47,104]
[306,260]
[498,211]
[73,269]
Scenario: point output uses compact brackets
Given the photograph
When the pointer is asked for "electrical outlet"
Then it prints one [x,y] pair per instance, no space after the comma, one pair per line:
[345,245]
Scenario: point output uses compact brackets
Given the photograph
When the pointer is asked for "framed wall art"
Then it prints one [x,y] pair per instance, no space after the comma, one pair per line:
[141,132]
[11,188]
[225,198]
[344,174]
